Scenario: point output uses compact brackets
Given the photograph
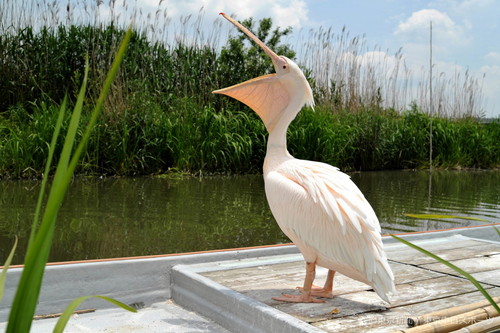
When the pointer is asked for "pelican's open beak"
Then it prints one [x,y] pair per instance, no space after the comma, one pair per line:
[274,57]
[266,94]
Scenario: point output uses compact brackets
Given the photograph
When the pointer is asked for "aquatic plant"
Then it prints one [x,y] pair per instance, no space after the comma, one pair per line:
[42,230]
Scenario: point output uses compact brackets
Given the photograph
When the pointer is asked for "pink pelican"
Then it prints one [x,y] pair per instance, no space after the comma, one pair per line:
[318,207]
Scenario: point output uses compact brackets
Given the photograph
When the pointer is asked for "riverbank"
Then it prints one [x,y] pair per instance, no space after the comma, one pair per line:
[162,116]
[146,138]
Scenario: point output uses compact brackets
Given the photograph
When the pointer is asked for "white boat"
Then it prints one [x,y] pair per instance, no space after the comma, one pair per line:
[231,290]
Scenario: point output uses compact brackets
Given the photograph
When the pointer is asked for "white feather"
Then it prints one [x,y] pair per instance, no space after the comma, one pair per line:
[329,219]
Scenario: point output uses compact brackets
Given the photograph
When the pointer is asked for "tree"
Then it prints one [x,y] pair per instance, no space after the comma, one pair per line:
[239,62]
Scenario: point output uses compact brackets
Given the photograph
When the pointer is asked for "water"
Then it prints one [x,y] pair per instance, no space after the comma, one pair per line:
[121,217]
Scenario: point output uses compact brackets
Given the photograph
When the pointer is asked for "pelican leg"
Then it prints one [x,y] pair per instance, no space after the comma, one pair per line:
[305,296]
[326,290]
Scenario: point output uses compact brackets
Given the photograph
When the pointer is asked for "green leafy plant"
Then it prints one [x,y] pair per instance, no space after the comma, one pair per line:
[27,294]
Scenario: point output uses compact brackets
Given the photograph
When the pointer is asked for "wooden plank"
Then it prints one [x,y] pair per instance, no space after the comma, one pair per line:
[412,256]
[352,297]
[396,318]
[447,302]
[490,277]
[419,291]
[262,283]
[381,322]
[471,265]
[422,284]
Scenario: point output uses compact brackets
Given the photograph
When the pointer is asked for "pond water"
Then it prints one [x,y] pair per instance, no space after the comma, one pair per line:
[120,217]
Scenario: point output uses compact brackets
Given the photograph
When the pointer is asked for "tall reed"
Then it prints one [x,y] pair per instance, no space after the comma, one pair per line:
[349,74]
[171,59]
[160,109]
[146,138]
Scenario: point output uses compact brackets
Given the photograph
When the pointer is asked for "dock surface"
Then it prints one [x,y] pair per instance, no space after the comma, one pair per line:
[232,291]
[422,285]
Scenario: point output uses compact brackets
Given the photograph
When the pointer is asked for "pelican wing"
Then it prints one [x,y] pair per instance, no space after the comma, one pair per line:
[329,219]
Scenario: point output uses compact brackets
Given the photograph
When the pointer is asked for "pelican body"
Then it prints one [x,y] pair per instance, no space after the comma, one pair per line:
[317,206]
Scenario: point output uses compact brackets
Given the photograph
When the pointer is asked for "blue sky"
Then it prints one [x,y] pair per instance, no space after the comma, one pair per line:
[466,33]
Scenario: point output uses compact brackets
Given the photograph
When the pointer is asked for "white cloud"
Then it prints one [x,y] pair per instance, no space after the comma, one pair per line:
[416,27]
[294,15]
[493,57]
[490,89]
[284,13]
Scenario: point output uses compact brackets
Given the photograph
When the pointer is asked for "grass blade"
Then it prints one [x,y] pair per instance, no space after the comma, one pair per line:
[57,129]
[455,268]
[3,274]
[438,216]
[23,307]
[63,320]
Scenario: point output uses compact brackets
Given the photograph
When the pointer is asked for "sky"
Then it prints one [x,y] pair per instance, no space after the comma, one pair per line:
[466,33]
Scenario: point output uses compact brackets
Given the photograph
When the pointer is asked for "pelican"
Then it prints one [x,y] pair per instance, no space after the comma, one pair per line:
[317,206]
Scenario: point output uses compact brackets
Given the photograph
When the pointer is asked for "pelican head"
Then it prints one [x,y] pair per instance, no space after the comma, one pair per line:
[272,95]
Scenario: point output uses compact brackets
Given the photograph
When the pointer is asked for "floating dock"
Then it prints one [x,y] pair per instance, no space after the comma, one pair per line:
[231,290]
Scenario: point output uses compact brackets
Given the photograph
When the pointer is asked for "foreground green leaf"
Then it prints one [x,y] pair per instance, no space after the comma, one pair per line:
[438,216]
[6,265]
[28,291]
[63,320]
[455,268]
[52,147]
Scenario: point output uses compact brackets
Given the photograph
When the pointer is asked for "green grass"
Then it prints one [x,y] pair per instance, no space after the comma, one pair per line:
[146,138]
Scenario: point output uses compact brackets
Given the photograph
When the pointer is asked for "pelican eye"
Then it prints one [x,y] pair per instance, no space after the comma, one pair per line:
[284,66]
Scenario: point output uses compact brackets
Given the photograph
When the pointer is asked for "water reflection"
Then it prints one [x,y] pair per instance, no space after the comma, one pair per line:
[395,193]
[127,217]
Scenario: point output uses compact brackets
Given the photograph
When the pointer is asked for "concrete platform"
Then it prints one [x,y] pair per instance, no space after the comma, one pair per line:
[230,291]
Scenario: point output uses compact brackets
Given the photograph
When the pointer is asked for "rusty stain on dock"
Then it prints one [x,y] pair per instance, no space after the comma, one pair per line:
[422,285]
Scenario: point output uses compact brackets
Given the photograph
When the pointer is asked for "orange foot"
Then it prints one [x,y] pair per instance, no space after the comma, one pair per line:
[319,291]
[302,298]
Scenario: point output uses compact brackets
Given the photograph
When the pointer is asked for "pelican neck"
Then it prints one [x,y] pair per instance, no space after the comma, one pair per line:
[276,141]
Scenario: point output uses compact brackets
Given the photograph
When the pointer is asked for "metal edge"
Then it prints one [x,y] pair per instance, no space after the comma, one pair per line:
[230,309]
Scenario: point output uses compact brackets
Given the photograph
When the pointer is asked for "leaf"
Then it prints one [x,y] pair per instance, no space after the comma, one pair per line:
[28,291]
[55,135]
[455,268]
[3,274]
[63,320]
[438,216]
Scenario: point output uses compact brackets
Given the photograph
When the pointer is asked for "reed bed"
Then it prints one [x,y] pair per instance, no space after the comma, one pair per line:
[160,113]
[349,74]
[197,138]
